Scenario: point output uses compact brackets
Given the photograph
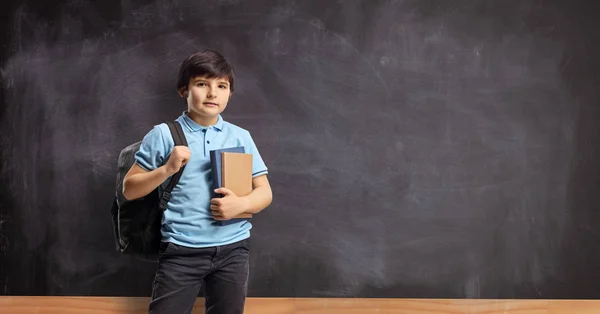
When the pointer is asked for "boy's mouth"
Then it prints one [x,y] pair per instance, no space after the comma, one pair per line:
[210,104]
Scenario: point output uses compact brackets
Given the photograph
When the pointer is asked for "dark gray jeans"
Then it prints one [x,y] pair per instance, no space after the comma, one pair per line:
[182,271]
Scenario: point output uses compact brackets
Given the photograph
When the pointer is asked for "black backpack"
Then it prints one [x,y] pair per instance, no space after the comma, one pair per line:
[137,223]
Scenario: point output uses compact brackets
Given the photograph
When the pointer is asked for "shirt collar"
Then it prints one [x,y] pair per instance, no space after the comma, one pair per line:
[195,127]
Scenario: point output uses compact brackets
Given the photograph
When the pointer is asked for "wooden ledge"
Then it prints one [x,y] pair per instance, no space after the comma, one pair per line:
[127,305]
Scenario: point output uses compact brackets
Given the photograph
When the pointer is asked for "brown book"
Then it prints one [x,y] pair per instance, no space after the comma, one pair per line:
[236,174]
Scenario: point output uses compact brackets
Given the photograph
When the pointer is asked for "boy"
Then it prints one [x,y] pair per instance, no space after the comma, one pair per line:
[197,248]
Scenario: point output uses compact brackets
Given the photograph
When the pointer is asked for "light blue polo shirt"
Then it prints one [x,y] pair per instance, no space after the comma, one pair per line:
[187,220]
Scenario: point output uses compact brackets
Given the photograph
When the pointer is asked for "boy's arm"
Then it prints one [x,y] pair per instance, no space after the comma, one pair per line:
[230,205]
[260,197]
[138,182]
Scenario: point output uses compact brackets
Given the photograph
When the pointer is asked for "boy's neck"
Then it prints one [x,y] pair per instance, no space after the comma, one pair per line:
[202,121]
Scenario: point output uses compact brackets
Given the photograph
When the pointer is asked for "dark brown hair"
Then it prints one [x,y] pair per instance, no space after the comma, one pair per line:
[207,63]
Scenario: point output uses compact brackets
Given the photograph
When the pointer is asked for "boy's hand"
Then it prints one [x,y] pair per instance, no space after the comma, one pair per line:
[227,207]
[179,157]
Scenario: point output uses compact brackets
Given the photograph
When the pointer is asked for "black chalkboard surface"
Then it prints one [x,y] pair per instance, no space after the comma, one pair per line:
[425,148]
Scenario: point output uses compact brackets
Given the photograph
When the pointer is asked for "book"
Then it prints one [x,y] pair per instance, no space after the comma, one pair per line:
[236,173]
[216,164]
[217,168]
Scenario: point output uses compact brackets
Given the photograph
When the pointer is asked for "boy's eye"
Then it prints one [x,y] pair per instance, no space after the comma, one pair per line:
[201,84]
[222,86]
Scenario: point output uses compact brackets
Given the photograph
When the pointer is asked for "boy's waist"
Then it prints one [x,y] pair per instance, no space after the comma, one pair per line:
[204,232]
[199,241]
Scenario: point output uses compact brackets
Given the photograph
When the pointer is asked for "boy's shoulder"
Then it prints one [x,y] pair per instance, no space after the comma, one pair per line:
[235,128]
[161,130]
[159,136]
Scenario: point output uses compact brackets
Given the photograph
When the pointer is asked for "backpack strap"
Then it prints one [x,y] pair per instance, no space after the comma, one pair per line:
[177,133]
[180,140]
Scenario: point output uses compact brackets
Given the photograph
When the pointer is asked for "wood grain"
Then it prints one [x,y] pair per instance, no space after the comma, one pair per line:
[124,305]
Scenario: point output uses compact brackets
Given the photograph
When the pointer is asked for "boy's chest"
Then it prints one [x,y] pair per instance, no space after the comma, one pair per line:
[201,143]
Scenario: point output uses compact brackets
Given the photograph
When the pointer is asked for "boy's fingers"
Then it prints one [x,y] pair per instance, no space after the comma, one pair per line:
[224,191]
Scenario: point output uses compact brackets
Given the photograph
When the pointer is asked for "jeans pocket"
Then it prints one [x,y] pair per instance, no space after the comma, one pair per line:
[166,248]
[244,246]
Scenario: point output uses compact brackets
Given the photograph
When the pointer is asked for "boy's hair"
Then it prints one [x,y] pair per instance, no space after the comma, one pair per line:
[208,63]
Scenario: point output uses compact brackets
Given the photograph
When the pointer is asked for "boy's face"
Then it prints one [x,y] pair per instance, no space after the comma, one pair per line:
[206,97]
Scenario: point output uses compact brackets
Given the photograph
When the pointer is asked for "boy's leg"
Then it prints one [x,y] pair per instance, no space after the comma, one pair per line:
[226,286]
[178,278]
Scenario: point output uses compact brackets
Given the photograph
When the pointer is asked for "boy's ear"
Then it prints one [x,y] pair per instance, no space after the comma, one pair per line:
[183,92]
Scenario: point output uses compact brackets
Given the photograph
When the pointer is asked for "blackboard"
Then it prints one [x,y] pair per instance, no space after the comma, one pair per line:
[416,148]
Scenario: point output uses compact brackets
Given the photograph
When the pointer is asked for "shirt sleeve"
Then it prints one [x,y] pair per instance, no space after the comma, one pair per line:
[153,150]
[258,165]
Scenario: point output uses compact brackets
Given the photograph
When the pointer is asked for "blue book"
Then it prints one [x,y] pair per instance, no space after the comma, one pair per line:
[216,164]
